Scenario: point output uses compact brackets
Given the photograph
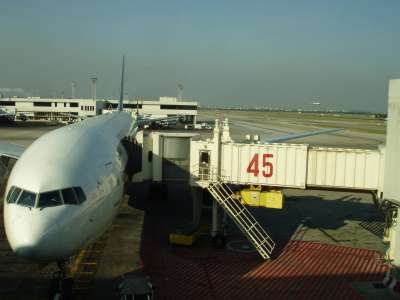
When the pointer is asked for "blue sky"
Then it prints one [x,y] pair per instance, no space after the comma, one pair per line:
[226,53]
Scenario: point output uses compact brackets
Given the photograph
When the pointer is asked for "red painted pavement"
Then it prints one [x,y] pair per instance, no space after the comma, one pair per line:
[302,270]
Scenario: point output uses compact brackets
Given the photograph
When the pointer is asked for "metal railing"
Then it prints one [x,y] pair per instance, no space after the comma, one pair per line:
[232,204]
[253,231]
[207,173]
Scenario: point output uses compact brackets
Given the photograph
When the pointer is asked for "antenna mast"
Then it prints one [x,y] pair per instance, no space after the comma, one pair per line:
[73,88]
[121,95]
[180,91]
[93,86]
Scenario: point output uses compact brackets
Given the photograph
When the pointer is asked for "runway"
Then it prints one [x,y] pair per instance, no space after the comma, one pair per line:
[358,132]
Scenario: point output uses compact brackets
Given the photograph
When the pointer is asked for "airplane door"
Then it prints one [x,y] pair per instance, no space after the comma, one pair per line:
[204,165]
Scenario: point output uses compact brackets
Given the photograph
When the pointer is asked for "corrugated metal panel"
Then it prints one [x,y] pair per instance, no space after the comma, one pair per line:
[344,168]
[265,164]
[294,165]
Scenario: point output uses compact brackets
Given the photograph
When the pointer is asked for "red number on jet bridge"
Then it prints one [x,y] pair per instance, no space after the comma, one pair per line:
[267,167]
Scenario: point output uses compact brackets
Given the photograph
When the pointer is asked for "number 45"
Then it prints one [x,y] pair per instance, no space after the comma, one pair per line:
[267,166]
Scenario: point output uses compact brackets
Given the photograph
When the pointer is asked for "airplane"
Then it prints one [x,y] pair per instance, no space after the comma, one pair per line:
[5,114]
[66,187]
[11,114]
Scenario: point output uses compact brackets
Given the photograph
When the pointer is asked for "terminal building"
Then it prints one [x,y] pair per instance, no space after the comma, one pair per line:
[64,110]
[36,108]
[165,107]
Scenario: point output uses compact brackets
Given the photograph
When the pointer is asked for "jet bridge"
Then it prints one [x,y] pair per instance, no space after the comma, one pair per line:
[219,163]
[284,165]
[176,156]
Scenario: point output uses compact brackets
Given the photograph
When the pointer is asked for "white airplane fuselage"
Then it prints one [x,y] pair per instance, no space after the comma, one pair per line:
[87,155]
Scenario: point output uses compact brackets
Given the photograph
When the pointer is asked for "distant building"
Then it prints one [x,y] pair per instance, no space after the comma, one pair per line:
[36,108]
[165,107]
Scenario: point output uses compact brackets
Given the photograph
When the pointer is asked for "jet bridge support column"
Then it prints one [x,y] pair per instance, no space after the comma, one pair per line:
[215,166]
[197,196]
[391,187]
[393,252]
[391,190]
[214,221]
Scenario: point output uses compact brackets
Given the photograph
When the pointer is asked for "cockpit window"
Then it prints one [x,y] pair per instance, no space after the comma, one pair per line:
[80,194]
[10,191]
[49,199]
[13,194]
[74,195]
[27,199]
[69,196]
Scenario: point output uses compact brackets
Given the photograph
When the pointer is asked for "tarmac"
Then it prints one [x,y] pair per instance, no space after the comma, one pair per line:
[121,256]
[340,221]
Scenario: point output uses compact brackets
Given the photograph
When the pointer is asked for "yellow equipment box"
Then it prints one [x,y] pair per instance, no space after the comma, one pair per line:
[251,196]
[272,199]
[181,239]
[255,196]
[188,239]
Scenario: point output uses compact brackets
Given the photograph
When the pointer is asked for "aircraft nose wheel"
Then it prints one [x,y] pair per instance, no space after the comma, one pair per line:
[60,285]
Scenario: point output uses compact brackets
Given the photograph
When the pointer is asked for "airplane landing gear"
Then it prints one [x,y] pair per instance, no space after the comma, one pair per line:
[61,285]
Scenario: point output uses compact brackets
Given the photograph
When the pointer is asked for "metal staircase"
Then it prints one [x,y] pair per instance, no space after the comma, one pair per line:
[242,217]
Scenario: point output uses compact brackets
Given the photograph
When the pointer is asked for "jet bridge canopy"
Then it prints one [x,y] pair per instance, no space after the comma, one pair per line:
[165,156]
[175,156]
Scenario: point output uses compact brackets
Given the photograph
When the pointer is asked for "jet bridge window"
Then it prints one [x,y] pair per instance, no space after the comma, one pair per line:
[49,199]
[27,199]
[13,194]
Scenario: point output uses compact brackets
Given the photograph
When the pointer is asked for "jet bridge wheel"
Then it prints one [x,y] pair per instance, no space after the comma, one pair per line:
[219,241]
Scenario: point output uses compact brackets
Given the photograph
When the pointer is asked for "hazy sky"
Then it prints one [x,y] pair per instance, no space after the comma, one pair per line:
[227,53]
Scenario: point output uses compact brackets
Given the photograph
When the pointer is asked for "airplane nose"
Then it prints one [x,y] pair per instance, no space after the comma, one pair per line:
[38,247]
[28,252]
[33,241]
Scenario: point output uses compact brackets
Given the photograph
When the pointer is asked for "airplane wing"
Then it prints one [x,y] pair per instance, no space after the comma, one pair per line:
[4,113]
[11,150]
[145,121]
[141,121]
[292,136]
[73,116]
